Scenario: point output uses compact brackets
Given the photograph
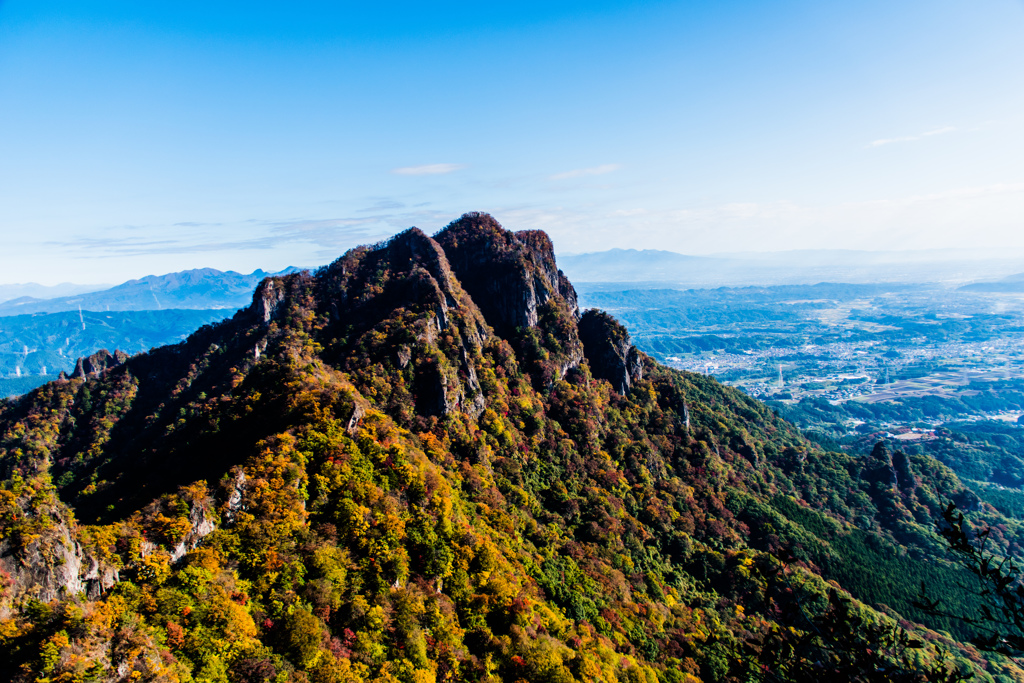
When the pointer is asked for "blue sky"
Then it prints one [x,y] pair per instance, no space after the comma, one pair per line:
[148,137]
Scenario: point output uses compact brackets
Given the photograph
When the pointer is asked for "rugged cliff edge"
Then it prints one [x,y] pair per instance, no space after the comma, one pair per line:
[608,349]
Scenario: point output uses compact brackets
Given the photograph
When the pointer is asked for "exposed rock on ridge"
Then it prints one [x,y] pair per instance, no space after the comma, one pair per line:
[515,281]
[609,350]
[201,525]
[99,362]
[273,292]
[409,276]
[509,275]
[51,564]
[474,279]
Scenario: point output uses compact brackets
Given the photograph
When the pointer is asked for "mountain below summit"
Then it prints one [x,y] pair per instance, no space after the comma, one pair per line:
[202,288]
[424,463]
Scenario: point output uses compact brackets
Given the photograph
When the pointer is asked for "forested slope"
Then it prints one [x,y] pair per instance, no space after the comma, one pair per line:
[422,463]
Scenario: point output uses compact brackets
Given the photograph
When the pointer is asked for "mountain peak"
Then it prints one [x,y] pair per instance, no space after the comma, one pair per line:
[509,274]
[475,223]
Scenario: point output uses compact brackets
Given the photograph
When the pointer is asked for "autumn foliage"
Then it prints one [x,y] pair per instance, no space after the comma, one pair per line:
[359,479]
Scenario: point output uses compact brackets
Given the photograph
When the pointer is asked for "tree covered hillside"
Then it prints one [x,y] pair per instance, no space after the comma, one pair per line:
[422,463]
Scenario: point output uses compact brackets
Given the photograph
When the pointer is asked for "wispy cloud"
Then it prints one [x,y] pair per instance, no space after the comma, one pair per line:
[428,169]
[580,172]
[121,245]
[912,138]
[382,204]
[330,236]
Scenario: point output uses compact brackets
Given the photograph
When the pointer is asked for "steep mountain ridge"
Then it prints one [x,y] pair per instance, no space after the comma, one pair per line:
[422,463]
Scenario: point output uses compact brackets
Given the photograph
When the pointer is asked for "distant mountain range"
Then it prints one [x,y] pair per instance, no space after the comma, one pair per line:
[41,330]
[201,288]
[1008,285]
[39,337]
[44,344]
[208,288]
[657,268]
[37,291]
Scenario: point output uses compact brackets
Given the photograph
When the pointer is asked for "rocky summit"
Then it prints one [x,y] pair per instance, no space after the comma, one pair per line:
[423,463]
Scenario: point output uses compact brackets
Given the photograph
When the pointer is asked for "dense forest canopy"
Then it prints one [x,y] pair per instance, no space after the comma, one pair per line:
[424,463]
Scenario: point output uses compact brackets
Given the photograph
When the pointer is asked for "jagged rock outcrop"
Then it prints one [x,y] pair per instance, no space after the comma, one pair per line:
[509,275]
[53,564]
[609,351]
[235,495]
[201,525]
[272,292]
[515,281]
[98,363]
[450,304]
[409,270]
[46,568]
[99,578]
[361,292]
[50,563]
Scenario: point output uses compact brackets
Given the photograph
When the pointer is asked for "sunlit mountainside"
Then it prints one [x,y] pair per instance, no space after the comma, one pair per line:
[423,462]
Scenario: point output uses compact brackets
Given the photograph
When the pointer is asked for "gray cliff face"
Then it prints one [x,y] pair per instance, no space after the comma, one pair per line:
[412,271]
[98,363]
[453,311]
[472,281]
[236,493]
[201,525]
[514,280]
[452,304]
[542,255]
[509,275]
[268,297]
[51,564]
[609,351]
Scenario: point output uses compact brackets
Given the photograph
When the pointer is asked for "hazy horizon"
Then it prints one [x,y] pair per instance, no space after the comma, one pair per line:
[989,265]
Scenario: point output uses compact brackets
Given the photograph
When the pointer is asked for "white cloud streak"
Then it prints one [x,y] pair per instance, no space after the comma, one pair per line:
[330,237]
[912,138]
[581,172]
[428,169]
